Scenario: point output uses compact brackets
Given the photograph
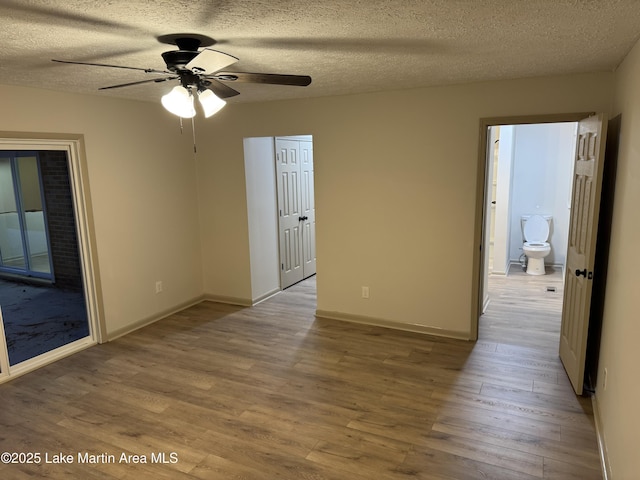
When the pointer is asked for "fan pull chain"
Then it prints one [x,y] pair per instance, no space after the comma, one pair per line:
[181,128]
[193,129]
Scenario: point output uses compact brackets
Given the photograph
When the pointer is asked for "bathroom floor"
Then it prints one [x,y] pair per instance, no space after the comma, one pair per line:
[523,309]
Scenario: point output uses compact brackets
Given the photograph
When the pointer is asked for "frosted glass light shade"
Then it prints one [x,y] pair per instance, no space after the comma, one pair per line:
[179,102]
[210,102]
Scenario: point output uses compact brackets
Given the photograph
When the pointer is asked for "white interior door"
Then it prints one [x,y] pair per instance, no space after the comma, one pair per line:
[290,211]
[308,209]
[583,226]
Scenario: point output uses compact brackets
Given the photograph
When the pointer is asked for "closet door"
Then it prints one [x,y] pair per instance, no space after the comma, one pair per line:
[289,211]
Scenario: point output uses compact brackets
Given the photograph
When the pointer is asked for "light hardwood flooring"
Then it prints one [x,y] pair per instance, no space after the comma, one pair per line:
[272,392]
[524,309]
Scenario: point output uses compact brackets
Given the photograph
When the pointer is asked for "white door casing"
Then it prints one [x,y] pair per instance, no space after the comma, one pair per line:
[583,226]
[4,354]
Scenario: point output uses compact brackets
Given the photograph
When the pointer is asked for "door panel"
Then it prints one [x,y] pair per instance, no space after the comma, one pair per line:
[289,205]
[11,246]
[581,247]
[35,228]
[24,242]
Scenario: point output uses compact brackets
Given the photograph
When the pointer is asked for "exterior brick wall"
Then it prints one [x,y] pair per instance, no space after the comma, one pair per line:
[61,220]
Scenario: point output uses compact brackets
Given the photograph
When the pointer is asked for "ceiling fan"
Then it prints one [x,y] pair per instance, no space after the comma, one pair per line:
[199,72]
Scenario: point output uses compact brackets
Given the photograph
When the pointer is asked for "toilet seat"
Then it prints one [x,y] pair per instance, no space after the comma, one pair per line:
[536,246]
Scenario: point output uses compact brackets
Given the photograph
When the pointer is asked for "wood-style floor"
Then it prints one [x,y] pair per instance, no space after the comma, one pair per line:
[524,310]
[272,392]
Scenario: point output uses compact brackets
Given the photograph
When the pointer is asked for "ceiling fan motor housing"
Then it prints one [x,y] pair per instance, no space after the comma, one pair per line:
[177,60]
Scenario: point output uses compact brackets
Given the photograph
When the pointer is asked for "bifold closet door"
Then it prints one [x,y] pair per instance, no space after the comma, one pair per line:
[296,210]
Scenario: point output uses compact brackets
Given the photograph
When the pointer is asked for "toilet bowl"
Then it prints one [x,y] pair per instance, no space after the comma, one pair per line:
[535,230]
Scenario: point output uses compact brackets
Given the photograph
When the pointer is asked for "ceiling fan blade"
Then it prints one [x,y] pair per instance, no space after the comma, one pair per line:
[156,80]
[220,89]
[268,78]
[210,61]
[146,70]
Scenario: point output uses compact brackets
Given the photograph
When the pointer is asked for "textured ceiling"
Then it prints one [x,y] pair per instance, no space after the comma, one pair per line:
[346,46]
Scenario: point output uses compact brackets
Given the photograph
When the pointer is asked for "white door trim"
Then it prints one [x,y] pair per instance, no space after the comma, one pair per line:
[4,353]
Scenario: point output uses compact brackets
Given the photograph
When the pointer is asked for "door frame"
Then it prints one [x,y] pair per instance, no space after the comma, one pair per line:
[73,145]
[479,264]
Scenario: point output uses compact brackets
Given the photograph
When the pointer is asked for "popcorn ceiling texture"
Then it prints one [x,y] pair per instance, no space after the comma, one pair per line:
[347,46]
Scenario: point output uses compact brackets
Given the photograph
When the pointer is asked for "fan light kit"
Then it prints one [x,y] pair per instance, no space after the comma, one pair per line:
[199,71]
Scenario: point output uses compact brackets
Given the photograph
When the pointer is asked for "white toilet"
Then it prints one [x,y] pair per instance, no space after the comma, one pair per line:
[535,230]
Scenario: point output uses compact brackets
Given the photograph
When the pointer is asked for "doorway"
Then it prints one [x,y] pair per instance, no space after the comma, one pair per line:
[530,168]
[48,301]
[530,173]
[279,179]
[583,229]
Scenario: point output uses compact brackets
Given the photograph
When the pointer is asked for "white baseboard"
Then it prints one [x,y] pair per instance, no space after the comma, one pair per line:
[266,296]
[486,303]
[241,302]
[154,318]
[602,446]
[379,322]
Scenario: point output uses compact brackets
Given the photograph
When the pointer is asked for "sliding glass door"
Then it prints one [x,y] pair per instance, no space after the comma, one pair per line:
[42,313]
[24,239]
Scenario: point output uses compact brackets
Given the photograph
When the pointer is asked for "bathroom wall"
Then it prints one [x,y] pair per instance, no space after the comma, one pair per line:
[541,183]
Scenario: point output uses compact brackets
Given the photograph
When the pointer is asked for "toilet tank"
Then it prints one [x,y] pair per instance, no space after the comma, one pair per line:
[524,218]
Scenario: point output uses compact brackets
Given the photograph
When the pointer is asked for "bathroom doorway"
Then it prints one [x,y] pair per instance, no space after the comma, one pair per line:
[530,169]
[587,181]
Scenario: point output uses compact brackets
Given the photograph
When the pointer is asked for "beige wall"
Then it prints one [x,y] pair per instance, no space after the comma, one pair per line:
[619,352]
[395,191]
[142,177]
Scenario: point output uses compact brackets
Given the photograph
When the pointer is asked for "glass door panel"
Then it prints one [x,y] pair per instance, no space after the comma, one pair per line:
[35,230]
[24,242]
[11,245]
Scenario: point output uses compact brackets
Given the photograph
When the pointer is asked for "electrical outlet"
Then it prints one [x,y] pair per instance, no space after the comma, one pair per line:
[158,286]
[605,375]
[365,292]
